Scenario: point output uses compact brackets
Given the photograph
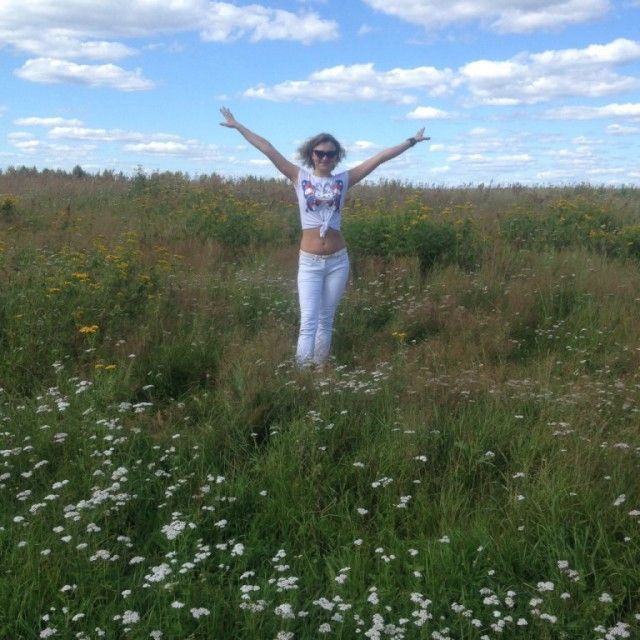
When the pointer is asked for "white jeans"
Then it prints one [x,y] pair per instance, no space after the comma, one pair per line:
[321,283]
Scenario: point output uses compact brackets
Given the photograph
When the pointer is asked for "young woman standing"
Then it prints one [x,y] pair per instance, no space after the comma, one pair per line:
[324,263]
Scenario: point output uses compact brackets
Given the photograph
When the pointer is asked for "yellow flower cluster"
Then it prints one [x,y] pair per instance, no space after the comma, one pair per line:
[88,329]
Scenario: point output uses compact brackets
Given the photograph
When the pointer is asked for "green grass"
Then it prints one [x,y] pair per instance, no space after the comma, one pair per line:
[466,467]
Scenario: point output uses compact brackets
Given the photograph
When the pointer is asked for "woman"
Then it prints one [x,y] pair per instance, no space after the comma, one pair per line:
[324,263]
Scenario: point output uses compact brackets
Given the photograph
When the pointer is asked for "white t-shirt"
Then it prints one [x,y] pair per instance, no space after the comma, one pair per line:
[321,199]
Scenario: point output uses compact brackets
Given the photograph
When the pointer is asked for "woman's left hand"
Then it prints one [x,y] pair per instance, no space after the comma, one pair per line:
[420,137]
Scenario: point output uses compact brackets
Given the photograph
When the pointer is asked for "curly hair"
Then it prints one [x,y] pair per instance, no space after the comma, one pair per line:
[305,151]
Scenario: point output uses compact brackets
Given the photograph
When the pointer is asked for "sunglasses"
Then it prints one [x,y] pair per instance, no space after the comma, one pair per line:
[325,154]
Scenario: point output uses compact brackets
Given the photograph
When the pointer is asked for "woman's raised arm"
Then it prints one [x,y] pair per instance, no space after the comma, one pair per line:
[283,165]
[363,170]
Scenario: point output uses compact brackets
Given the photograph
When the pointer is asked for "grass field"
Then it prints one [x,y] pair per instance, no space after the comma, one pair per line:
[466,468]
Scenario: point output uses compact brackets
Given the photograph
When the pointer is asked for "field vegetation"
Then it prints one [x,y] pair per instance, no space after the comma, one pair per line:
[466,467]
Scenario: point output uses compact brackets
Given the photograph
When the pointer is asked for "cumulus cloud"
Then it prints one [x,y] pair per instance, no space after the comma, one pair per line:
[222,22]
[620,130]
[428,113]
[157,147]
[480,132]
[628,110]
[506,16]
[365,29]
[34,121]
[358,82]
[61,45]
[527,78]
[54,71]
[28,145]
[67,138]
[98,135]
[491,163]
[20,135]
[533,78]
[84,29]
[363,145]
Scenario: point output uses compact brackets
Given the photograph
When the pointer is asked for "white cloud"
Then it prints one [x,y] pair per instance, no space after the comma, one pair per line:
[365,29]
[628,110]
[108,135]
[67,138]
[555,175]
[34,121]
[480,132]
[618,51]
[599,171]
[225,21]
[54,71]
[363,145]
[428,113]
[62,45]
[527,78]
[20,135]
[84,29]
[507,16]
[619,130]
[533,78]
[487,164]
[27,146]
[358,82]
[583,140]
[161,148]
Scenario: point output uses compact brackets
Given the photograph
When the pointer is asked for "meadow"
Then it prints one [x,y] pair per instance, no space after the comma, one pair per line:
[465,468]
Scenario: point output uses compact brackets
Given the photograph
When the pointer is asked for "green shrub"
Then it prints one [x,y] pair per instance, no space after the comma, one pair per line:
[8,205]
[563,223]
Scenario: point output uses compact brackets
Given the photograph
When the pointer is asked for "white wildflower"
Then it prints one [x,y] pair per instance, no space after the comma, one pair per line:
[285,611]
[130,617]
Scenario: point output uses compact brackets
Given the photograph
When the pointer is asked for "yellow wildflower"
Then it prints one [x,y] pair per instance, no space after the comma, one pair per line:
[87,329]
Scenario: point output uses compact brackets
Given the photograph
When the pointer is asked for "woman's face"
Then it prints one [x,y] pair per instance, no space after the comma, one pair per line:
[325,157]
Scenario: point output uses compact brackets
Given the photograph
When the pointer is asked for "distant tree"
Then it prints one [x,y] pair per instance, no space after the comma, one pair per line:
[79,172]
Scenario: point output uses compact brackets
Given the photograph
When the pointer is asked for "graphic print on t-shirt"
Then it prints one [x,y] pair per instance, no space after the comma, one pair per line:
[322,193]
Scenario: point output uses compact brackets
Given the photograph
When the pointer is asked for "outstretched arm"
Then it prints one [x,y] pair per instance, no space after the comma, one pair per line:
[282,164]
[363,170]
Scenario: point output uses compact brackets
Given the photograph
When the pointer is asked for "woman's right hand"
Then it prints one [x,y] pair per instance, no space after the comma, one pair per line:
[230,121]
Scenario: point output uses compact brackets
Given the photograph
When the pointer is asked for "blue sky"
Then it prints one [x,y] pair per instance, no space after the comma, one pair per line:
[518,91]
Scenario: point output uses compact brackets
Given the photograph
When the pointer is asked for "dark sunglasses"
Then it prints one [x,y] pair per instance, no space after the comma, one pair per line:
[325,154]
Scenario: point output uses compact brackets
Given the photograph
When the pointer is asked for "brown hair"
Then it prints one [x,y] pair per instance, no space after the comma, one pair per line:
[305,151]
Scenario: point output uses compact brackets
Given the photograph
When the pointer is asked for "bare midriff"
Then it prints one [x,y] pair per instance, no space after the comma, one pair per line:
[313,243]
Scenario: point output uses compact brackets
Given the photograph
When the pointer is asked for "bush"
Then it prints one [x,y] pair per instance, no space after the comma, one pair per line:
[8,205]
[628,242]
[431,241]
[564,223]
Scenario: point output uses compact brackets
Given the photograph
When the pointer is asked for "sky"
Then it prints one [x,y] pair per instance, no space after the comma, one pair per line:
[532,92]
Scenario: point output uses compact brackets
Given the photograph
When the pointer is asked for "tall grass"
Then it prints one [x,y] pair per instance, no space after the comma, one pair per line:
[465,468]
